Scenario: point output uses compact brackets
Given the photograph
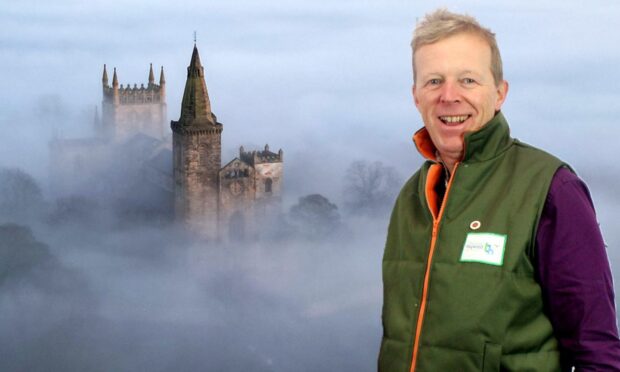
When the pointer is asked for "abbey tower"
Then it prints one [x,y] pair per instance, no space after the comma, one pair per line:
[128,110]
[196,144]
[132,151]
[219,203]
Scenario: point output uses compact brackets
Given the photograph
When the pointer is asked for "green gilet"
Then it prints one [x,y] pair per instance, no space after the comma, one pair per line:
[459,279]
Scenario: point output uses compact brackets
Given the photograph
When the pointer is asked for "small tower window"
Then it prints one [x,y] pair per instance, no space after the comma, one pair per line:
[268,184]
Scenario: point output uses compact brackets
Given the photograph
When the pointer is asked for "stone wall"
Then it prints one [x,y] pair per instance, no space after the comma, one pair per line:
[237,195]
[197,161]
[125,120]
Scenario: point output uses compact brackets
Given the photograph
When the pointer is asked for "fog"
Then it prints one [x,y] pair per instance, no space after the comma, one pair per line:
[103,281]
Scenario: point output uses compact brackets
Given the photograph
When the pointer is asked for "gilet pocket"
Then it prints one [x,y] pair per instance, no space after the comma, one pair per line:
[491,358]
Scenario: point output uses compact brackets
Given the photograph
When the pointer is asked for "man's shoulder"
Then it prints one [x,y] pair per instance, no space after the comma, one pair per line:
[537,154]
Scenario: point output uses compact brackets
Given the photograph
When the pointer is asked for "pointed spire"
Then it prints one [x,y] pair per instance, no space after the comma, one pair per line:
[151,76]
[104,79]
[195,68]
[196,107]
[114,79]
[115,95]
[162,86]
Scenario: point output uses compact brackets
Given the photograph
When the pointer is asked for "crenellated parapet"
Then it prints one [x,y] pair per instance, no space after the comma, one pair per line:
[259,157]
[126,94]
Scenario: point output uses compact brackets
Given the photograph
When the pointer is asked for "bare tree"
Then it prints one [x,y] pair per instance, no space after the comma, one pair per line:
[20,252]
[370,188]
[315,216]
[20,196]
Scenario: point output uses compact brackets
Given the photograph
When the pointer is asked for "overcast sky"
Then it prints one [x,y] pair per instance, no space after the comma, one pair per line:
[327,81]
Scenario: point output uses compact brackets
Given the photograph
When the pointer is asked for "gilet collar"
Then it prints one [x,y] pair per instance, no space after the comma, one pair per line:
[486,143]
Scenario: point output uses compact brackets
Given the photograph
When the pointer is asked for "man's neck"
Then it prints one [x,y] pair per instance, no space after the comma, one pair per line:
[449,160]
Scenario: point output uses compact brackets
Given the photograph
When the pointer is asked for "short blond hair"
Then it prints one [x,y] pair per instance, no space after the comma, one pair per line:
[442,24]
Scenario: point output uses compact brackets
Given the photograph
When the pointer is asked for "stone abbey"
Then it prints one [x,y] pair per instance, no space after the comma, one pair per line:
[214,201]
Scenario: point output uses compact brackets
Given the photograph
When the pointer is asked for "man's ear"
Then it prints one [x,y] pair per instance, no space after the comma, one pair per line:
[502,92]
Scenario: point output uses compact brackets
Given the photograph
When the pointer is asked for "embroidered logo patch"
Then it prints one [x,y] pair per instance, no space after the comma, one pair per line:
[486,248]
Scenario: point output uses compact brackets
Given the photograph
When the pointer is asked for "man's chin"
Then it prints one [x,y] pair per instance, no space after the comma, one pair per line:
[450,148]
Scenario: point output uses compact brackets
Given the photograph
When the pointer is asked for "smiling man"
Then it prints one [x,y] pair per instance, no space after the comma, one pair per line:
[494,259]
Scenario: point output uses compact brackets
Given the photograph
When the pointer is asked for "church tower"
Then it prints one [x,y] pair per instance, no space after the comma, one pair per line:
[197,156]
[128,110]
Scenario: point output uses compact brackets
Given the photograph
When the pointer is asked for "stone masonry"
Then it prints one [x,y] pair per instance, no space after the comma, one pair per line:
[219,203]
[128,110]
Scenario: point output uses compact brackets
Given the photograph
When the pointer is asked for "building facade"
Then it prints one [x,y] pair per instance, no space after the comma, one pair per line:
[127,110]
[132,151]
[218,203]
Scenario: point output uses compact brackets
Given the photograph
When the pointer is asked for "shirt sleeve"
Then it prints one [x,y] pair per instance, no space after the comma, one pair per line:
[575,277]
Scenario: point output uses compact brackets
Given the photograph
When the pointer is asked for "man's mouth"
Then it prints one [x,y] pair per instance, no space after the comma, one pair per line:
[454,119]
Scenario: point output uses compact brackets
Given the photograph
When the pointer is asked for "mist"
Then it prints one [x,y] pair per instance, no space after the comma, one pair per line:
[91,287]
[100,278]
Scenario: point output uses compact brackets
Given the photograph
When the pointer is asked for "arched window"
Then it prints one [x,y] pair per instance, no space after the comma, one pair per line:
[268,184]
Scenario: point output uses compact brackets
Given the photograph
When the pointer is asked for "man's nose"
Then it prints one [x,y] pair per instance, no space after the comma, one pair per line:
[450,93]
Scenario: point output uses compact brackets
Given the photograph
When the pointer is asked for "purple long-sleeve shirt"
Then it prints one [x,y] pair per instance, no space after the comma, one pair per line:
[574,273]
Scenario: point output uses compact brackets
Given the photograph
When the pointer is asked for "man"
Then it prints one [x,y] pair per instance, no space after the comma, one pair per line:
[494,259]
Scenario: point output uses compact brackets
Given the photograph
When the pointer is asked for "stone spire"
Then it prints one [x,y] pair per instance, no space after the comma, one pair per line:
[115,96]
[162,85]
[151,76]
[114,79]
[104,79]
[162,80]
[197,157]
[196,108]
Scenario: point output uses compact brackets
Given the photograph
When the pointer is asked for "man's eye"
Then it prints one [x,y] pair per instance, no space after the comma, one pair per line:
[434,81]
[469,81]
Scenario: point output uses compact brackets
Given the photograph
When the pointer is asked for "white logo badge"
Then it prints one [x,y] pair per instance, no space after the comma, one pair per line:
[475,225]
[486,248]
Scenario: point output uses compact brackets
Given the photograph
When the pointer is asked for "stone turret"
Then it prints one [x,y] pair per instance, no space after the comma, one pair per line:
[151,77]
[104,78]
[162,85]
[115,97]
[197,156]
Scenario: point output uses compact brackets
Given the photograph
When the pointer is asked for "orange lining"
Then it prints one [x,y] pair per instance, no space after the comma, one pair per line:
[424,143]
[433,176]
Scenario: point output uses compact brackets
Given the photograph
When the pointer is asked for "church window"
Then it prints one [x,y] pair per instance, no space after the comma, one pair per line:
[268,184]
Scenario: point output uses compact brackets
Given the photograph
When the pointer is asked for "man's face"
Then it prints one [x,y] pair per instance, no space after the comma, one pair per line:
[454,89]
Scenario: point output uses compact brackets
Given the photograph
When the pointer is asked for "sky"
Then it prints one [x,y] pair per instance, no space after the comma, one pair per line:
[329,82]
[317,79]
